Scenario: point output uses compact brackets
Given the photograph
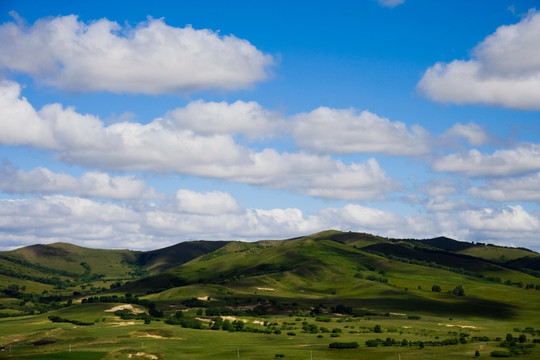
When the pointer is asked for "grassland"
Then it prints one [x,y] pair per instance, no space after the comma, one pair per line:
[294,298]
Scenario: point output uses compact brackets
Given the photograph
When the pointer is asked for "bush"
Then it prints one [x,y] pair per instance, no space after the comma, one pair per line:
[436,288]
[373,343]
[459,291]
[343,345]
[323,319]
[500,354]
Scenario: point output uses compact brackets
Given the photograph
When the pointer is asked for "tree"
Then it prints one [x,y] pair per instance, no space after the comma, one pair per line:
[228,326]
[377,329]
[436,288]
[476,353]
[458,291]
[404,342]
[218,323]
[179,314]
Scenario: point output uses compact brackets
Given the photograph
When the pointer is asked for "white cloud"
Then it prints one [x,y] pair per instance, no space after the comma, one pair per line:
[473,133]
[20,123]
[90,184]
[214,202]
[525,188]
[504,70]
[240,117]
[152,225]
[68,219]
[343,131]
[357,181]
[439,187]
[520,160]
[506,225]
[163,146]
[511,218]
[444,204]
[390,3]
[362,218]
[150,58]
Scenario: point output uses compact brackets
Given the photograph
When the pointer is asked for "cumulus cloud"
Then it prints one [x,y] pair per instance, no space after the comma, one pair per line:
[520,160]
[247,118]
[511,218]
[444,204]
[474,134]
[439,187]
[20,123]
[150,58]
[390,3]
[505,225]
[68,219]
[214,202]
[90,184]
[504,70]
[360,217]
[525,188]
[343,131]
[164,146]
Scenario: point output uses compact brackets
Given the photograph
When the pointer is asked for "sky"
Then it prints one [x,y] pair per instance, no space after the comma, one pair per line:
[127,124]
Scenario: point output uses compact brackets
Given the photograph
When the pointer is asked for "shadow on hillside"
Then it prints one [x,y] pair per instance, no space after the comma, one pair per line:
[467,306]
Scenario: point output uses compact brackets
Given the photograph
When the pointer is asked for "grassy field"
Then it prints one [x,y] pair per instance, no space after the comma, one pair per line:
[113,338]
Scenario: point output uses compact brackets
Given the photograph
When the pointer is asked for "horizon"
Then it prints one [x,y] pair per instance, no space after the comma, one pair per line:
[144,125]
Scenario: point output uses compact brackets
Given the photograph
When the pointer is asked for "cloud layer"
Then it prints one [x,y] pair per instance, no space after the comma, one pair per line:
[166,145]
[150,58]
[504,70]
[216,215]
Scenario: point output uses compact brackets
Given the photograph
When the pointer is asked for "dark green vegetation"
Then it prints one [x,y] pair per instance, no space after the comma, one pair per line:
[331,295]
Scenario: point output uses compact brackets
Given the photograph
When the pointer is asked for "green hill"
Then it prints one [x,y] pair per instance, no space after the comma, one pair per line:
[425,290]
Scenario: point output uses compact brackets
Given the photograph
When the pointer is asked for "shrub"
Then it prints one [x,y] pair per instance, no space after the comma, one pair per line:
[373,342]
[499,354]
[343,345]
[436,288]
[323,319]
[458,290]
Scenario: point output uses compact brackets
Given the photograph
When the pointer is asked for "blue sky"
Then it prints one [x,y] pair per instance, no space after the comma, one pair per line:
[142,124]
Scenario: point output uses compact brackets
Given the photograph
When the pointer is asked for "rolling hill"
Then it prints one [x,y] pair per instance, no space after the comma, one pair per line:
[331,274]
